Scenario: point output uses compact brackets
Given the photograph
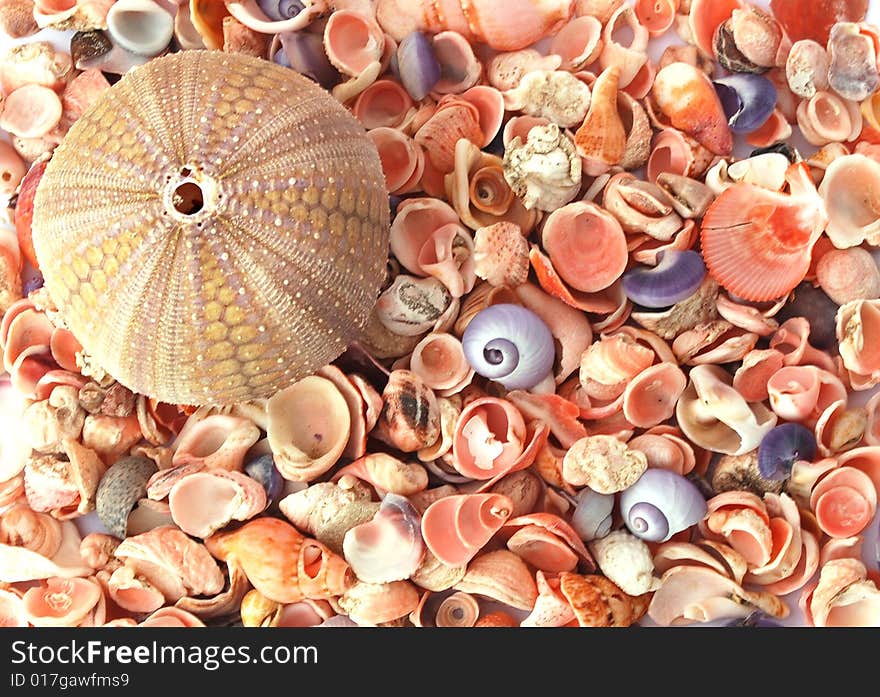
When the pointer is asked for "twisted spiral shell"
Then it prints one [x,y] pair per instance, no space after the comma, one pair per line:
[214,228]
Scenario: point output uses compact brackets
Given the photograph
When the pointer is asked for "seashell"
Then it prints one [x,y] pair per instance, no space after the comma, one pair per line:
[332,532]
[140,26]
[839,428]
[449,609]
[63,487]
[428,240]
[548,542]
[626,560]
[172,564]
[863,459]
[22,527]
[571,330]
[852,56]
[459,68]
[545,170]
[370,604]
[806,68]
[601,138]
[597,601]
[578,44]
[559,414]
[218,441]
[60,602]
[321,573]
[705,17]
[171,617]
[384,104]
[452,120]
[758,366]
[816,22]
[148,515]
[434,575]
[309,427]
[410,306]
[501,576]
[629,58]
[53,420]
[304,52]
[690,198]
[591,518]
[106,344]
[440,361]
[12,169]
[848,274]
[501,254]
[410,417]
[684,94]
[403,162]
[479,192]
[586,268]
[792,339]
[203,502]
[96,549]
[614,360]
[31,111]
[825,117]
[19,564]
[747,100]
[268,551]
[524,22]
[600,9]
[843,596]
[315,506]
[715,416]
[673,151]
[389,547]
[17,21]
[853,219]
[12,613]
[71,14]
[553,94]
[522,487]
[519,364]
[121,487]
[504,70]
[776,129]
[802,393]
[855,327]
[352,41]
[387,474]
[455,528]
[656,17]
[690,594]
[603,463]
[650,397]
[34,63]
[772,271]
[844,501]
[252,14]
[757,35]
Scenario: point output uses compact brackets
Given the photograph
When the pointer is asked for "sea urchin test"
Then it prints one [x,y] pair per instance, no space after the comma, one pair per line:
[213,229]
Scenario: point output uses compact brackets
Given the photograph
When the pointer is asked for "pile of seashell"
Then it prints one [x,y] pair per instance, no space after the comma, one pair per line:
[613,374]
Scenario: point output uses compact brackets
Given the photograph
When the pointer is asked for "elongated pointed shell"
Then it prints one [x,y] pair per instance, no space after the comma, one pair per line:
[213,229]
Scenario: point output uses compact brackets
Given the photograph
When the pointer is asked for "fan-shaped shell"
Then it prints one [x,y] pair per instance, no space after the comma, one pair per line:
[207,206]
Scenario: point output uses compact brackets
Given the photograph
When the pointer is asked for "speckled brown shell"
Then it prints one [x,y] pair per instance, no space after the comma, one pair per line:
[266,281]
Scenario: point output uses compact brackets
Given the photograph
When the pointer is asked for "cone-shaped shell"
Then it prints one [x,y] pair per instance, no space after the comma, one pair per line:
[202,231]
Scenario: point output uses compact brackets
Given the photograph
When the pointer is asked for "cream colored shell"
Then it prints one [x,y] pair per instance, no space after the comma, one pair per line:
[268,281]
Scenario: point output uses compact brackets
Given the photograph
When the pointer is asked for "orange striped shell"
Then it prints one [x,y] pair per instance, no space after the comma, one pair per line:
[214,228]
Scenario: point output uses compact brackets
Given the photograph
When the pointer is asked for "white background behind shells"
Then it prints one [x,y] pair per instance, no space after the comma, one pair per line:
[871,547]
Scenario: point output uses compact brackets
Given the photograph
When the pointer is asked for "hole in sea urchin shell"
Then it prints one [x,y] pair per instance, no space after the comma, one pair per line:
[188,198]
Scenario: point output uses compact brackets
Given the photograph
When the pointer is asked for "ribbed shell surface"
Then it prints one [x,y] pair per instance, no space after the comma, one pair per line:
[266,283]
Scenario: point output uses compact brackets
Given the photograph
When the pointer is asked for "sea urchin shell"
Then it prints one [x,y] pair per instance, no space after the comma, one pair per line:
[214,228]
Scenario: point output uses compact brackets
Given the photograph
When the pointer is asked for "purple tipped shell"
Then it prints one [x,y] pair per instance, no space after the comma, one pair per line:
[647,521]
[660,504]
[782,447]
[509,344]
[305,54]
[278,10]
[676,277]
[417,65]
[747,99]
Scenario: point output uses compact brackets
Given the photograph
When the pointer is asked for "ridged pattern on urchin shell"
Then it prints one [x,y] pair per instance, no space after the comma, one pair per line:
[268,282]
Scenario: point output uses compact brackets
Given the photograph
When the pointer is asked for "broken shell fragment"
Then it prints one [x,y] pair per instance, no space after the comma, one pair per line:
[121,487]
[603,463]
